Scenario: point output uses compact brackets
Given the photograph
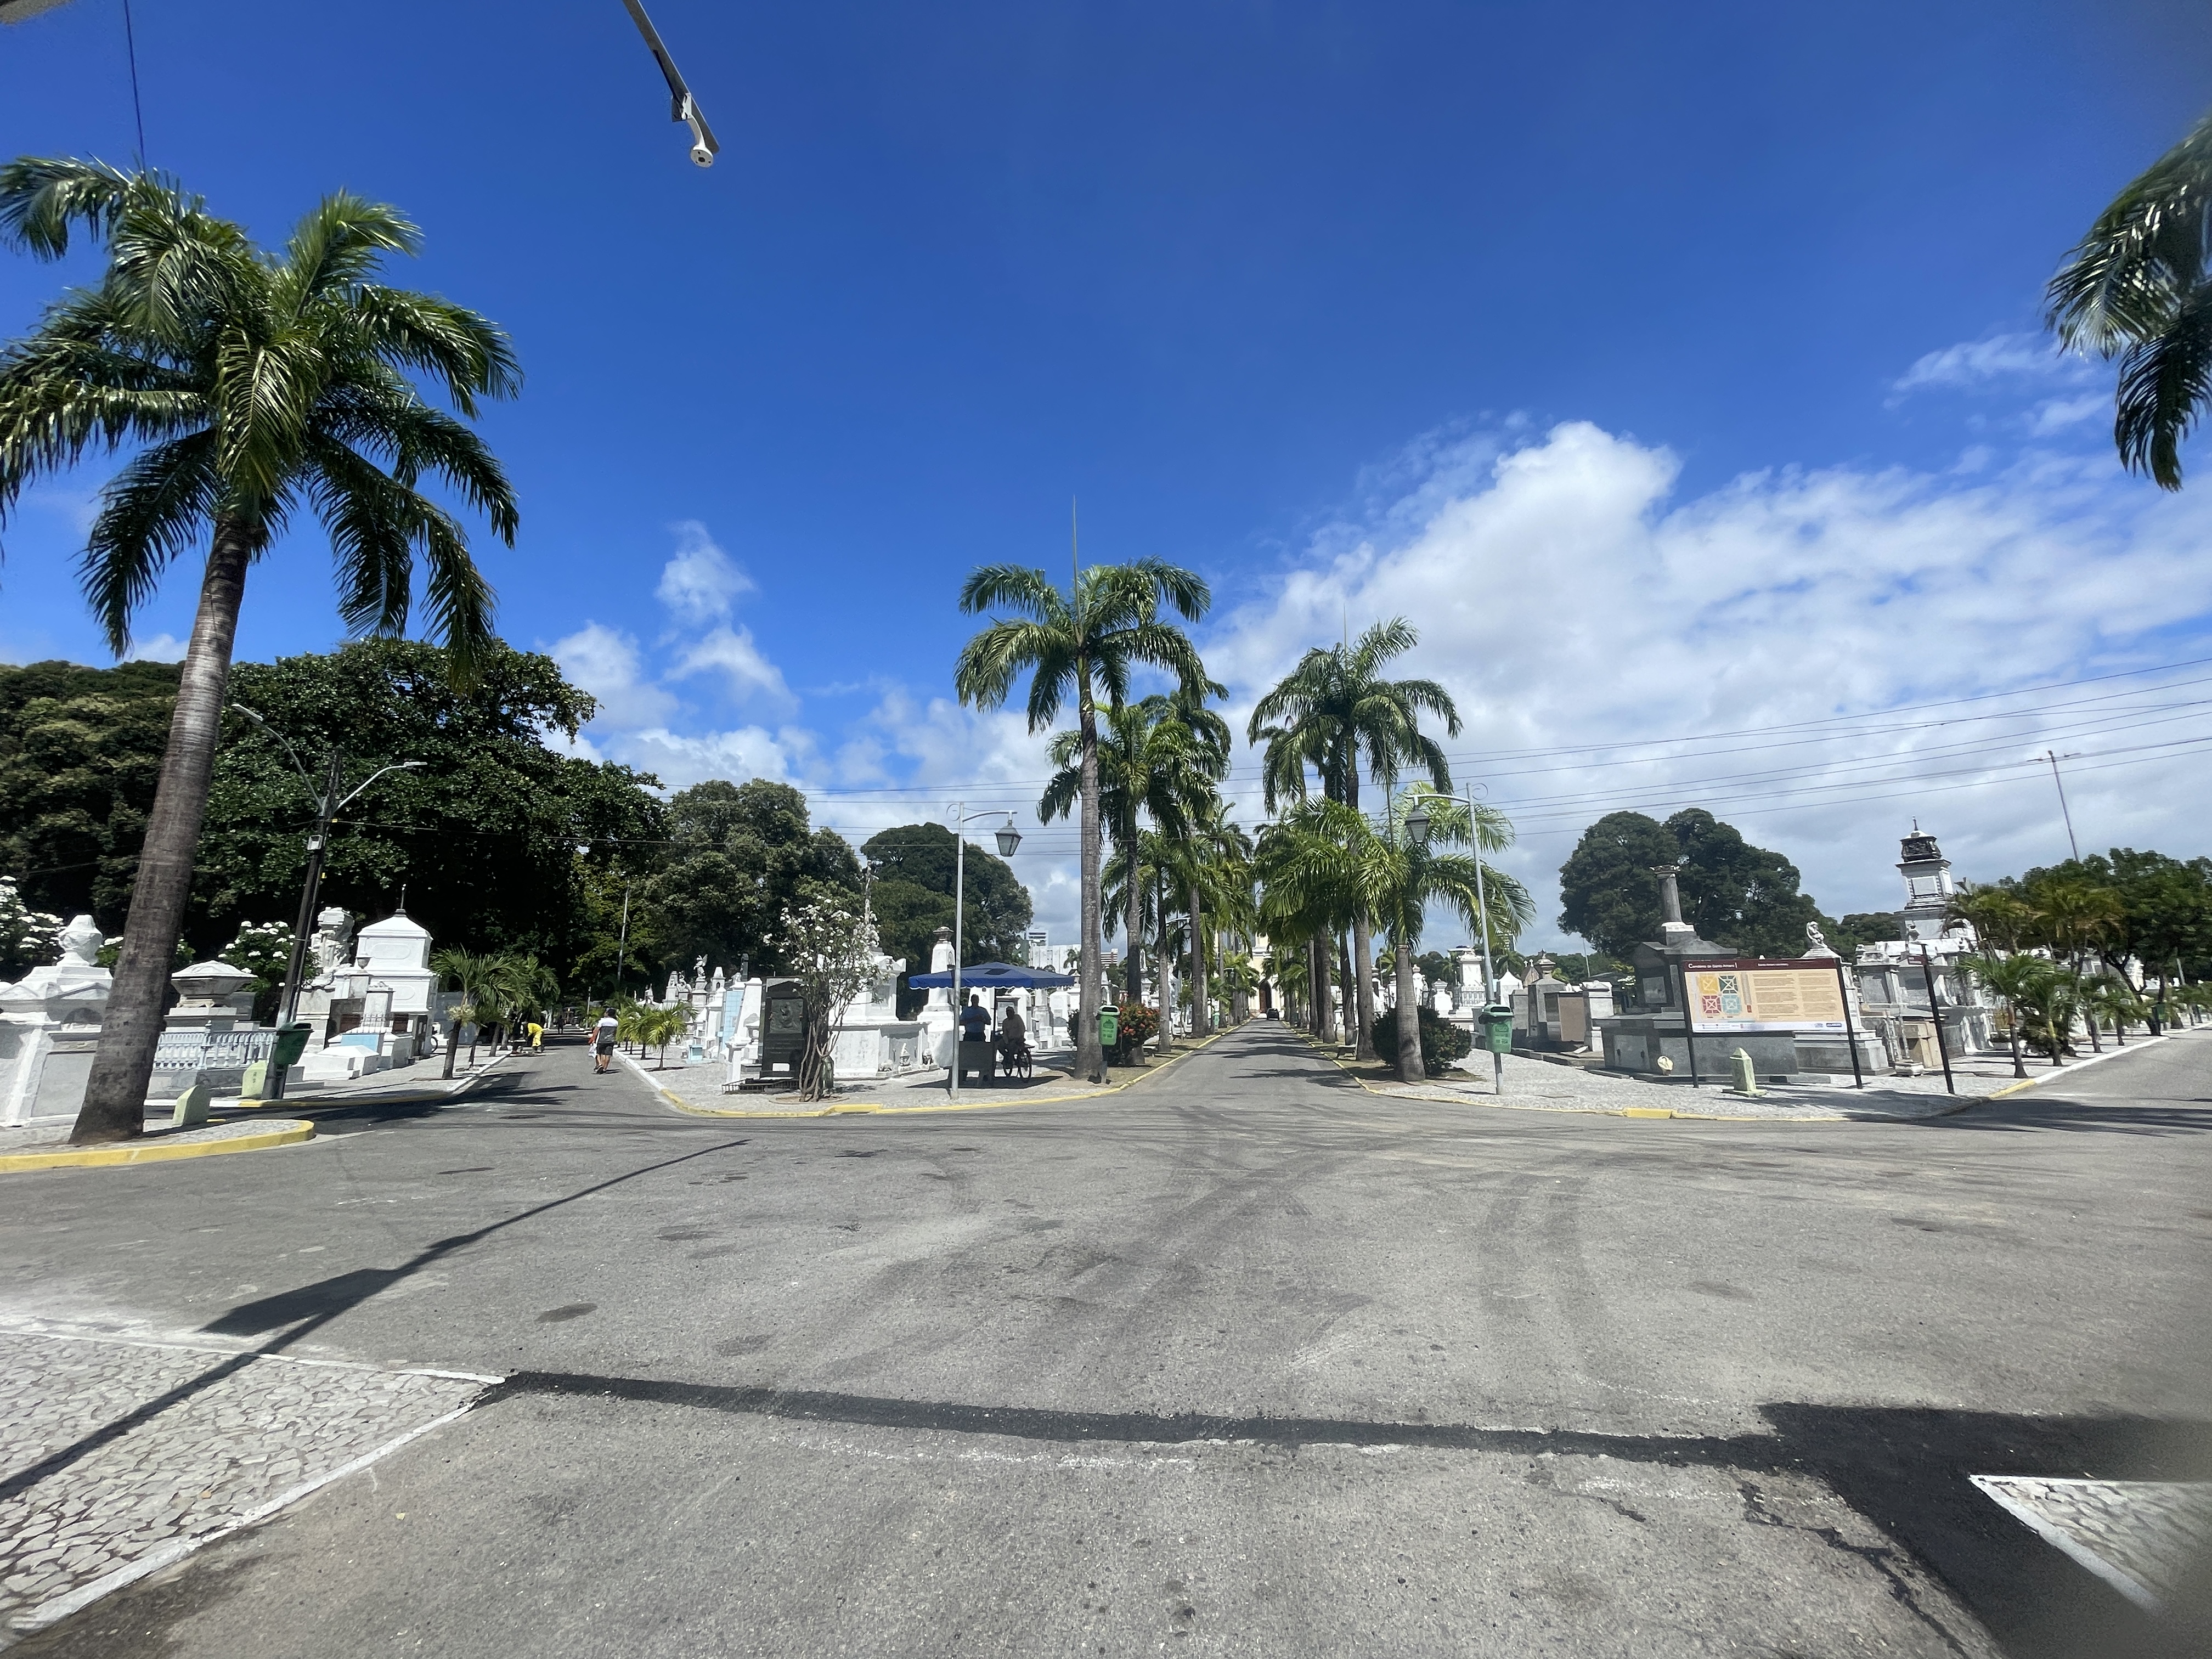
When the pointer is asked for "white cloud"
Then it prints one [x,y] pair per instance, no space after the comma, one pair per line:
[1977,362]
[604,661]
[163,647]
[701,582]
[1567,600]
[733,653]
[2057,414]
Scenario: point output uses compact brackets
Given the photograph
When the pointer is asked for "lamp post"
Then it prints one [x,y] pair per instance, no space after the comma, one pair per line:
[1009,839]
[1417,828]
[329,805]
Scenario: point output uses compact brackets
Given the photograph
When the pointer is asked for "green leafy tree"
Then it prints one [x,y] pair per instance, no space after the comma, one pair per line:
[79,753]
[829,948]
[482,836]
[1330,712]
[249,386]
[1733,893]
[2014,979]
[742,854]
[912,898]
[1080,646]
[29,937]
[2138,288]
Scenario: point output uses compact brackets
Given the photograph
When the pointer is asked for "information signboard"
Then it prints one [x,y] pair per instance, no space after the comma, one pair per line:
[1763,994]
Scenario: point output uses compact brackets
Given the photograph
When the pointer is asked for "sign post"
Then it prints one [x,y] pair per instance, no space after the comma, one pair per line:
[1851,1033]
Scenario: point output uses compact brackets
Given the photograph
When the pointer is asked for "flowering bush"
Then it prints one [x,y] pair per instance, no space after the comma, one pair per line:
[28,938]
[1137,1025]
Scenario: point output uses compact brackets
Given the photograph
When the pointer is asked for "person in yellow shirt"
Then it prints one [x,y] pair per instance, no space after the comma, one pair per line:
[537,1037]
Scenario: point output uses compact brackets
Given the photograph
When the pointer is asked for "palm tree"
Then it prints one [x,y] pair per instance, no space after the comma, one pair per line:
[1216,885]
[2137,287]
[1308,892]
[656,1028]
[2048,1004]
[2074,918]
[1076,645]
[2013,979]
[250,384]
[1154,757]
[2110,998]
[485,981]
[1331,709]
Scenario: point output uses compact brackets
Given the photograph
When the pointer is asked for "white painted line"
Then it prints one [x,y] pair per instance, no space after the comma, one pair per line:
[61,1606]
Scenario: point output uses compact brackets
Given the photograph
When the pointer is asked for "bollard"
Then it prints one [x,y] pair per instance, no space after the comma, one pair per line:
[1746,1079]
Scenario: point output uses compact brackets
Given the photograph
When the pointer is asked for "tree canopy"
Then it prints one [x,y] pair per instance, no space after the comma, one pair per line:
[913,899]
[1733,893]
[740,855]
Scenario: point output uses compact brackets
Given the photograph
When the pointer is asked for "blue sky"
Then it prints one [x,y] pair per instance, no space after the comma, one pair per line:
[1673,367]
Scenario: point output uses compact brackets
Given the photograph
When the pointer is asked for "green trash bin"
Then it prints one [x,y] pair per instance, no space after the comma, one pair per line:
[1496,1022]
[291,1043]
[1109,1026]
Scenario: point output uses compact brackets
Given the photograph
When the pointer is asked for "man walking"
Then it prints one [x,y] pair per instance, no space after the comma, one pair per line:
[603,1043]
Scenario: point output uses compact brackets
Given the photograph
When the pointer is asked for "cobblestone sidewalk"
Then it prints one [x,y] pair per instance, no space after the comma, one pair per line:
[115,1456]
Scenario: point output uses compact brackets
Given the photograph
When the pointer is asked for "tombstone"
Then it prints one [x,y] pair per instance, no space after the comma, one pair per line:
[208,1039]
[741,1034]
[50,1023]
[783,1027]
[872,1040]
[939,1027]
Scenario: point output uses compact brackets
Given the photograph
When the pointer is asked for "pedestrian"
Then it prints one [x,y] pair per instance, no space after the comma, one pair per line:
[603,1042]
[974,1024]
[537,1037]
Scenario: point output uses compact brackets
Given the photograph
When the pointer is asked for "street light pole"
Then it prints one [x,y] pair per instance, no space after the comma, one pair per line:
[327,808]
[1009,839]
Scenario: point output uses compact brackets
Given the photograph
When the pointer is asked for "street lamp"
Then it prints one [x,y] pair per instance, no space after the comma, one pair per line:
[1010,839]
[1417,830]
[330,804]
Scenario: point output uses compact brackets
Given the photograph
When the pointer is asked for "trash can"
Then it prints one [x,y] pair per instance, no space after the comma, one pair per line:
[1496,1022]
[291,1043]
[1109,1026]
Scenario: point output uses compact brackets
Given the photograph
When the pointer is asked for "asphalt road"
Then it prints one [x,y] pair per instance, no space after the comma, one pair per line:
[1244,1361]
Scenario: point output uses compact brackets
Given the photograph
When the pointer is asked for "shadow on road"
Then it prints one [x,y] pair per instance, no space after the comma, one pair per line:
[2079,1117]
[1907,1471]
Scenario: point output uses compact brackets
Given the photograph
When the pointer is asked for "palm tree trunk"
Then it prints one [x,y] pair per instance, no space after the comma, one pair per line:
[1160,966]
[452,1048]
[115,1094]
[1355,994]
[1410,1069]
[1197,1020]
[1132,971]
[1363,944]
[1090,1057]
[1317,987]
[2012,1031]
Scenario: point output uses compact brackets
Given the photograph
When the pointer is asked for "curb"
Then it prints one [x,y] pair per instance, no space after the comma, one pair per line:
[2022,1084]
[312,1102]
[276,1134]
[872,1108]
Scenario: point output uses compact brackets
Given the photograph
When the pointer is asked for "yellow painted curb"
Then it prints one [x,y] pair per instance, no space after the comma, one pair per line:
[859,1108]
[1647,1111]
[84,1158]
[2012,1088]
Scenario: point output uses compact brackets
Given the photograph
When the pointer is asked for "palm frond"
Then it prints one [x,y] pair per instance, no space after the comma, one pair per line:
[151,512]
[41,196]
[2166,383]
[1013,588]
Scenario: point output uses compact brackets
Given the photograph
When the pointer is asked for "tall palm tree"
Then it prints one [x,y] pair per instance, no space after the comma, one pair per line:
[249,384]
[1308,892]
[2073,919]
[1218,891]
[1076,645]
[2138,287]
[1155,757]
[1333,709]
[486,982]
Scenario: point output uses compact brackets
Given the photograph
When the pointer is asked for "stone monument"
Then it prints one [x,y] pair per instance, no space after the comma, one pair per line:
[50,1022]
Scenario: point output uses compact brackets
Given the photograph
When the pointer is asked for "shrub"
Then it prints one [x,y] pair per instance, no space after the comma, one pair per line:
[1138,1025]
[1441,1042]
